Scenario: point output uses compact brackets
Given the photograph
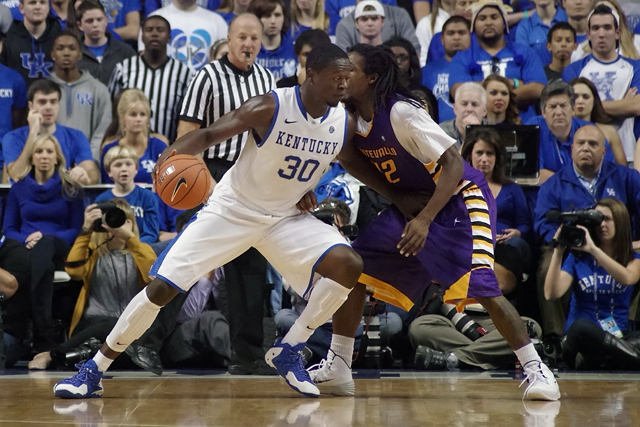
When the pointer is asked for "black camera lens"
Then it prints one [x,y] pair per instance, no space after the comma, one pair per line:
[114,218]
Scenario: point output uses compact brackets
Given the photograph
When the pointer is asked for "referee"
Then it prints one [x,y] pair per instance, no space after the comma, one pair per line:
[218,88]
[163,80]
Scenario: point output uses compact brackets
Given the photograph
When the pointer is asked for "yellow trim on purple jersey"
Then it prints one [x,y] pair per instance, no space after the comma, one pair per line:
[386,292]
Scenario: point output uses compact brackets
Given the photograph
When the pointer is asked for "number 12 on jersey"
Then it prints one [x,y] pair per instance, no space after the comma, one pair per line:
[294,170]
[388,168]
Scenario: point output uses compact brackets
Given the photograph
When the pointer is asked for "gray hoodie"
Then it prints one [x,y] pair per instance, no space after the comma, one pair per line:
[85,105]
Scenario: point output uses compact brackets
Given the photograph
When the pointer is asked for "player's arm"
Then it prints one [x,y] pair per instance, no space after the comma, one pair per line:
[256,113]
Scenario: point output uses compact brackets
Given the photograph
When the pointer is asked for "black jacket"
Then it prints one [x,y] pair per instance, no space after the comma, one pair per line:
[115,52]
[28,56]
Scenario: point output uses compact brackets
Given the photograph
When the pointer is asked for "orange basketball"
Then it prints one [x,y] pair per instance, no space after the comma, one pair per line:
[183,181]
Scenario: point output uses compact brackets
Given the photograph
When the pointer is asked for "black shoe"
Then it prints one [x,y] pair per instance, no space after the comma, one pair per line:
[144,357]
[257,367]
[430,359]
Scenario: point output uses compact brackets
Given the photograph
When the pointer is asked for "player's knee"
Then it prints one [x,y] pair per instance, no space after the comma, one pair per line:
[160,292]
[353,265]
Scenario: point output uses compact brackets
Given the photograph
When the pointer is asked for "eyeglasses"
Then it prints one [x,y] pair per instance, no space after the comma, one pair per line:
[495,68]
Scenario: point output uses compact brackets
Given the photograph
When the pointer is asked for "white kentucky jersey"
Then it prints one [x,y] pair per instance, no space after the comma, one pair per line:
[613,80]
[273,173]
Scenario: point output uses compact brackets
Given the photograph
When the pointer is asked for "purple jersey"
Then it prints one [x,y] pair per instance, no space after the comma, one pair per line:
[381,146]
[458,252]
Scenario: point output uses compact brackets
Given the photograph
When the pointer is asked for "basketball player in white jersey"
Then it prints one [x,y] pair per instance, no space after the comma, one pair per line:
[296,133]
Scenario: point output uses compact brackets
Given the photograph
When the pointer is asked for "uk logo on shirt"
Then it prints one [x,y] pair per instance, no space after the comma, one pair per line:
[604,84]
[148,165]
[37,67]
[84,98]
[193,49]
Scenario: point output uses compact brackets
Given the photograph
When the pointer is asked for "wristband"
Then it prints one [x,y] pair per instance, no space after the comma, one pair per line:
[525,14]
[516,83]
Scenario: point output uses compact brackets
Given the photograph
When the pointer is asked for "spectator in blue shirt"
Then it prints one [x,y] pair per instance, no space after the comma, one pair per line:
[276,53]
[124,17]
[461,8]
[577,15]
[122,164]
[484,151]
[435,75]
[600,274]
[134,113]
[306,41]
[13,103]
[557,129]
[44,211]
[309,15]
[491,52]
[44,104]
[532,31]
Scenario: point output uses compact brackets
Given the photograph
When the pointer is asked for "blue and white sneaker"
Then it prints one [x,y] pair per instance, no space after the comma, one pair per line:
[86,383]
[287,360]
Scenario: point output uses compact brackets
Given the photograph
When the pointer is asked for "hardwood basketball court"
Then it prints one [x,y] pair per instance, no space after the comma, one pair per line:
[383,398]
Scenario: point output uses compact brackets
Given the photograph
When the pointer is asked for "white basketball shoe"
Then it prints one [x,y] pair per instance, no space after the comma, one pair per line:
[542,383]
[333,376]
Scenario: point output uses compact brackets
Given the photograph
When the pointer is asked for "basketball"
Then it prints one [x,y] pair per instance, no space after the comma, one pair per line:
[183,181]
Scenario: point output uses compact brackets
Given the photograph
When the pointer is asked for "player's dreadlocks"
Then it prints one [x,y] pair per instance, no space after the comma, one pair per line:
[381,61]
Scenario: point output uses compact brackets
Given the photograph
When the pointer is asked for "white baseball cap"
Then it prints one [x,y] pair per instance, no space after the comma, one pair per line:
[369,8]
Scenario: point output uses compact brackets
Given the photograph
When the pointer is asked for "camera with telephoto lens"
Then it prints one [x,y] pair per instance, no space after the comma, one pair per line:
[326,213]
[571,235]
[112,215]
[83,352]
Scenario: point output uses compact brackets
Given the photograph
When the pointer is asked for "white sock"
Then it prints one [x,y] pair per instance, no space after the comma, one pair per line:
[102,361]
[527,354]
[326,297]
[343,347]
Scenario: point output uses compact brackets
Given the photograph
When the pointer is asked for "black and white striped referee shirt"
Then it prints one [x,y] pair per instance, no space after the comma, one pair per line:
[165,87]
[218,88]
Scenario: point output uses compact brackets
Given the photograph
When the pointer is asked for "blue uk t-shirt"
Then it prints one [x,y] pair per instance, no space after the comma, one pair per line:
[513,61]
[596,295]
[435,76]
[13,95]
[532,32]
[280,61]
[75,146]
[147,162]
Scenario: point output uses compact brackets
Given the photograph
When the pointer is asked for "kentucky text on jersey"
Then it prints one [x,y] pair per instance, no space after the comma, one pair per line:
[381,152]
[307,144]
[587,284]
[6,93]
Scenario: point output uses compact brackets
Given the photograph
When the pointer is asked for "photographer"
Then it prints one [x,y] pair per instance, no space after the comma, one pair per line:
[601,276]
[113,265]
[579,185]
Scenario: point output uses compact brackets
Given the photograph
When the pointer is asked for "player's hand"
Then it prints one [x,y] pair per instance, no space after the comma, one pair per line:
[308,202]
[414,236]
[168,152]
[507,234]
[411,204]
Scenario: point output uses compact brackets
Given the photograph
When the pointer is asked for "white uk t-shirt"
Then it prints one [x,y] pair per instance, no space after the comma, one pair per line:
[192,34]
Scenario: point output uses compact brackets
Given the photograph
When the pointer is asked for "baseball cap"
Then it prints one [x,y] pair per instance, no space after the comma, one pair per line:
[503,8]
[369,8]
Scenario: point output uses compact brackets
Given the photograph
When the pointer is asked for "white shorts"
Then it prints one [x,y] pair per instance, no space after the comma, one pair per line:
[225,228]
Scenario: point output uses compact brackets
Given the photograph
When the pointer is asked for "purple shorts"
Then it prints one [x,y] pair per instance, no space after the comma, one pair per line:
[458,253]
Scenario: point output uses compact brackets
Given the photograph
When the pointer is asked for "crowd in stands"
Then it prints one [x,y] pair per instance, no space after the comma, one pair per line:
[91,92]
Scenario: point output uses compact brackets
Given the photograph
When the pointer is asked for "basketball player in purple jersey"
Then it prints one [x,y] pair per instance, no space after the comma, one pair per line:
[450,240]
